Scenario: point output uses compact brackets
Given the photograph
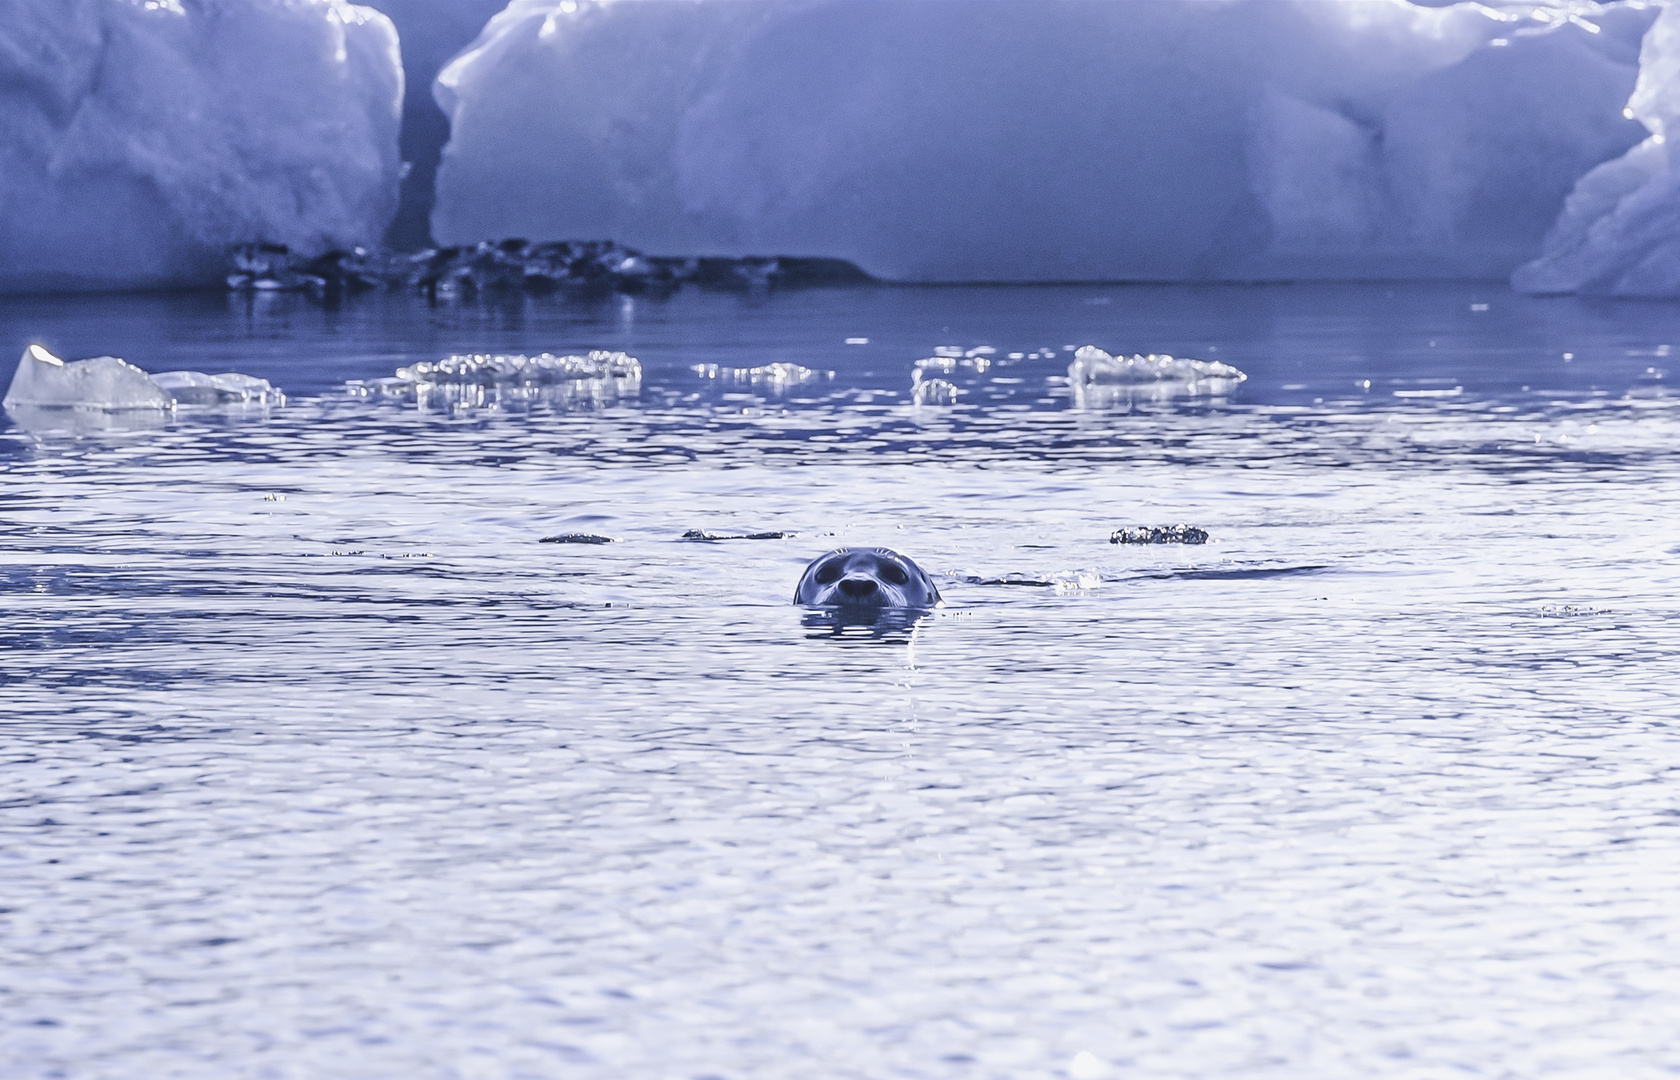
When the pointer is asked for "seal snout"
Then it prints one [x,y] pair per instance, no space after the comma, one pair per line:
[857,587]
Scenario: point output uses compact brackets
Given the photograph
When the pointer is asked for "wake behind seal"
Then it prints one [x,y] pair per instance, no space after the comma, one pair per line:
[865,581]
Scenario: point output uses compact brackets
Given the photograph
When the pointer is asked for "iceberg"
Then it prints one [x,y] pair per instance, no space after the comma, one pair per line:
[1619,232]
[139,141]
[988,140]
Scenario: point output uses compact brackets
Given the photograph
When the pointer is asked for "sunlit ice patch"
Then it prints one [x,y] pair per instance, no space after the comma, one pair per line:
[865,580]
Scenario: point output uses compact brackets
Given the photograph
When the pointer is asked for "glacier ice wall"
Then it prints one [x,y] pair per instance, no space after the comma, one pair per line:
[1619,233]
[432,31]
[1041,139]
[139,139]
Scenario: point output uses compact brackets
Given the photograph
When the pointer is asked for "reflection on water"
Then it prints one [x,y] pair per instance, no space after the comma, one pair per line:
[322,763]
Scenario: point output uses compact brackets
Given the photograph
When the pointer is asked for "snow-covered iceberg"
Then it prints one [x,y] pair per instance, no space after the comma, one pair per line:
[139,140]
[1619,233]
[1041,140]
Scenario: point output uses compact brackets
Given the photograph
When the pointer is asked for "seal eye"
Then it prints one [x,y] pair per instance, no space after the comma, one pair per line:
[894,573]
[828,573]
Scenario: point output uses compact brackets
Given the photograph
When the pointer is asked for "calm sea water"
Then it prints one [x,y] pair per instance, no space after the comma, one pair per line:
[318,763]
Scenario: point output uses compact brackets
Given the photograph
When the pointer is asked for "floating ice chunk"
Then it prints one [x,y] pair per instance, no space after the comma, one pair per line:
[491,380]
[231,388]
[1092,365]
[1098,379]
[777,376]
[103,383]
[946,364]
[934,392]
[706,534]
[490,369]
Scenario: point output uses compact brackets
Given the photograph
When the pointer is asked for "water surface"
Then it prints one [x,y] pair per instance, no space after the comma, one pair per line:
[320,763]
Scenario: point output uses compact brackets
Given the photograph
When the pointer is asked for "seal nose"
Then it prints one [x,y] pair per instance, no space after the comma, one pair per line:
[858,587]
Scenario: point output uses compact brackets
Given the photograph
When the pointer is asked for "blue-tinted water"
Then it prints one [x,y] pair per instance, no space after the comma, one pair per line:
[319,763]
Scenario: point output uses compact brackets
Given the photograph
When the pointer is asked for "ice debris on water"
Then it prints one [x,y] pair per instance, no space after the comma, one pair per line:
[232,388]
[1061,581]
[930,382]
[777,376]
[108,384]
[577,538]
[1160,534]
[944,364]
[934,392]
[1097,378]
[1093,365]
[486,380]
[544,369]
[704,534]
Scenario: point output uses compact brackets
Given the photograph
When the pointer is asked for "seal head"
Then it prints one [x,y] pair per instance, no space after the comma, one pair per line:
[865,580]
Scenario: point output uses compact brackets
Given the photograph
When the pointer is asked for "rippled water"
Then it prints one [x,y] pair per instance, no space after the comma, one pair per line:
[319,763]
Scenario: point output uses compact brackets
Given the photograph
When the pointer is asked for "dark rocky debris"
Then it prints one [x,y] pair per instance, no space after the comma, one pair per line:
[521,266]
[1160,534]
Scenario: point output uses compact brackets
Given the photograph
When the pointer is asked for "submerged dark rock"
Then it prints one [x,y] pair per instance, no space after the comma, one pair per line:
[515,265]
[1160,534]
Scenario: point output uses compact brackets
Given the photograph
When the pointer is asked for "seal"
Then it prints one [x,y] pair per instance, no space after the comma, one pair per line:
[865,580]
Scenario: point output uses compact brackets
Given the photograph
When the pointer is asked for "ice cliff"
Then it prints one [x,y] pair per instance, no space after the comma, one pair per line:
[140,138]
[984,140]
[1619,233]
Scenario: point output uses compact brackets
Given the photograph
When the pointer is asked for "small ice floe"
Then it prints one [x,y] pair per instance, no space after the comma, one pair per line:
[1061,581]
[777,376]
[705,534]
[1098,379]
[490,380]
[197,388]
[1159,534]
[49,393]
[934,392]
[931,378]
[577,538]
[975,360]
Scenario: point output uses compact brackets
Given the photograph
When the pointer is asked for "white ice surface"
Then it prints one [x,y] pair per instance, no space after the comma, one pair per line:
[999,139]
[138,140]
